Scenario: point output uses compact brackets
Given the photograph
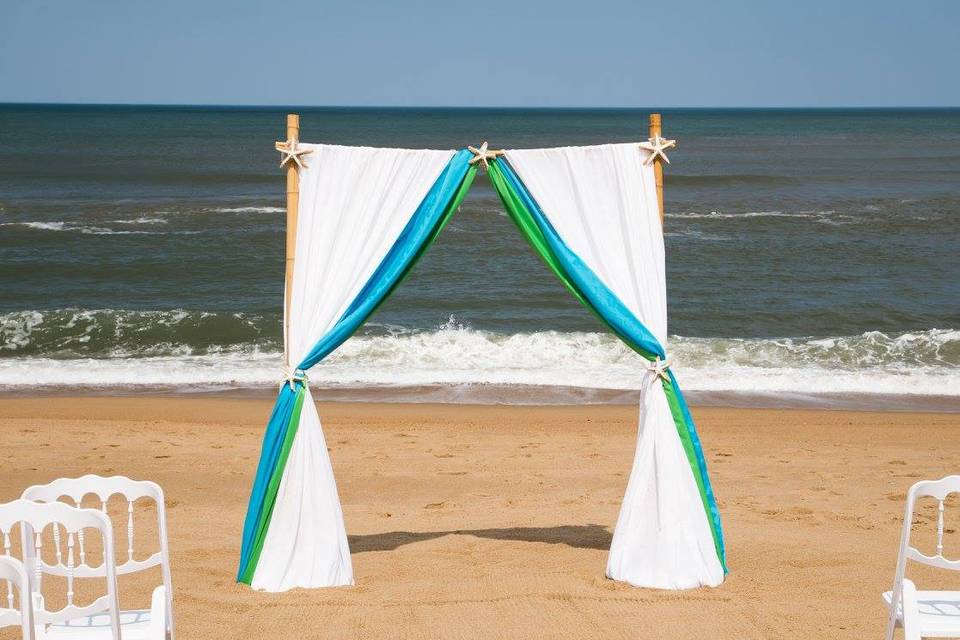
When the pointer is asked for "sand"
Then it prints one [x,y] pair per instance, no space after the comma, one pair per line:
[494,522]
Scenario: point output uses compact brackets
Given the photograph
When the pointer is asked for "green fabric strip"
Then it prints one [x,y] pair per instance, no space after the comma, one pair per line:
[524,221]
[521,216]
[444,219]
[274,486]
[684,433]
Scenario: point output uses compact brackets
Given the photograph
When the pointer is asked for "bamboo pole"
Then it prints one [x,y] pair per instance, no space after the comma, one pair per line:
[293,209]
[656,130]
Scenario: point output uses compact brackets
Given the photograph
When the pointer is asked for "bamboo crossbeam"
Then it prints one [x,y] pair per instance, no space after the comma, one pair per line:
[293,209]
[656,131]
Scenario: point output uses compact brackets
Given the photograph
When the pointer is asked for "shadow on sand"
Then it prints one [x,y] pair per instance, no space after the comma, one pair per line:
[590,536]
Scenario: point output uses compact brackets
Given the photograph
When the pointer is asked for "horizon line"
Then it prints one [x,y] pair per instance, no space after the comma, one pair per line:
[477,108]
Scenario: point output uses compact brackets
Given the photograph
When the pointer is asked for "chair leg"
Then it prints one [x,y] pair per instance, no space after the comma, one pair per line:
[911,613]
[892,613]
[158,614]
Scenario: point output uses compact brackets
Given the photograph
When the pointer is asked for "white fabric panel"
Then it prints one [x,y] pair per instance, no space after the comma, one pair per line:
[662,538]
[306,544]
[354,203]
[602,201]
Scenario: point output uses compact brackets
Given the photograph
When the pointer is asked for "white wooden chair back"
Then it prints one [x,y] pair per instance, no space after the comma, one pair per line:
[13,573]
[33,518]
[76,489]
[939,490]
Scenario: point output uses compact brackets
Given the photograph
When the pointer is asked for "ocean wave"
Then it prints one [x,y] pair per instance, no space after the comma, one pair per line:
[93,230]
[698,235]
[249,210]
[732,180]
[113,333]
[70,226]
[719,215]
[922,363]
[141,220]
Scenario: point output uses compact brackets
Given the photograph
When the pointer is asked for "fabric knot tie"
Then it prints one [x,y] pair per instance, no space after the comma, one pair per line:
[659,368]
[292,376]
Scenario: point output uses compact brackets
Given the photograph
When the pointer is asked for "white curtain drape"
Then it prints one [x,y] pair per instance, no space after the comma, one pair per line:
[602,202]
[354,203]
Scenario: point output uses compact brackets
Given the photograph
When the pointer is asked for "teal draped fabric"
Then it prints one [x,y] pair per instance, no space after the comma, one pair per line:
[594,294]
[422,229]
[426,223]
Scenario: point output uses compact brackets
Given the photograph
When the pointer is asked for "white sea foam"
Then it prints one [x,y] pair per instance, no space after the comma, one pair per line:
[141,220]
[719,215]
[76,227]
[920,364]
[41,226]
[249,210]
[72,226]
[698,235]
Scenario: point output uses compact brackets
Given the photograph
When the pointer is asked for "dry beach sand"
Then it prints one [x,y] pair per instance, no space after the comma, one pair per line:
[493,522]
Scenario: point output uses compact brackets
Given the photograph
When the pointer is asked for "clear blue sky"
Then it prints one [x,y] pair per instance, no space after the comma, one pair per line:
[482,52]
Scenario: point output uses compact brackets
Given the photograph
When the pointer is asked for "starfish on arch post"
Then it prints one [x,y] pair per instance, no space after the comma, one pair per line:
[291,152]
[483,155]
[657,146]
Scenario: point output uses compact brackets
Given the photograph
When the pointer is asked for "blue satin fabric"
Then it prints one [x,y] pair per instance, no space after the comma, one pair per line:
[269,452]
[397,261]
[388,274]
[702,465]
[620,319]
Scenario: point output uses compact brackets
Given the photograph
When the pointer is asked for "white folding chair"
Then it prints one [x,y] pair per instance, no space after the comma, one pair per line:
[95,620]
[924,614]
[157,623]
[12,571]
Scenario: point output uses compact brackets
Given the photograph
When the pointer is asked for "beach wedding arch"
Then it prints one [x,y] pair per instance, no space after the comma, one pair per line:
[359,218]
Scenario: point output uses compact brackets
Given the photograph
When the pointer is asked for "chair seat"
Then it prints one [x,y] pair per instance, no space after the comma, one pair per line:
[938,613]
[134,625]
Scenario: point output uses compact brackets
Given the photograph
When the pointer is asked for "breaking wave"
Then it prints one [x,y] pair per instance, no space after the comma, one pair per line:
[184,349]
[249,210]
[94,230]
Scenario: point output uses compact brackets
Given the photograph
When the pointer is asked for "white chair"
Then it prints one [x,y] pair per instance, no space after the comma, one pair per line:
[33,518]
[924,614]
[12,571]
[157,623]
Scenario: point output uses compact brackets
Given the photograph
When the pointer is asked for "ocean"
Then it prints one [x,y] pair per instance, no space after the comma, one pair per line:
[812,259]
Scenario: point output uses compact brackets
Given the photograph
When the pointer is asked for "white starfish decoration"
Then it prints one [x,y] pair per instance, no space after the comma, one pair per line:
[656,146]
[482,155]
[659,369]
[291,151]
[292,376]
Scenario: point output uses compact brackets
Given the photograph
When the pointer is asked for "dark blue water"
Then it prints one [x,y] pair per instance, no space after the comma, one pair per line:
[796,240]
